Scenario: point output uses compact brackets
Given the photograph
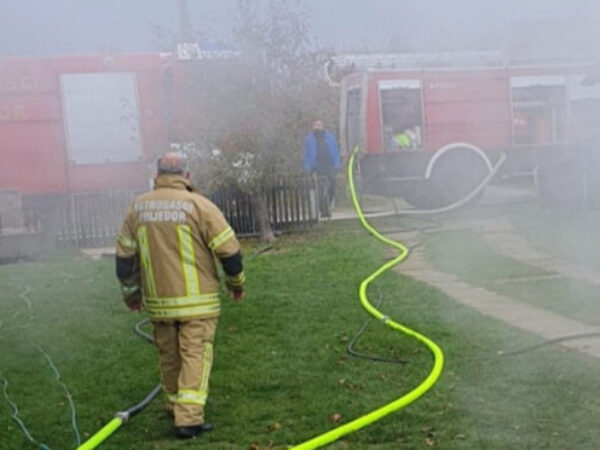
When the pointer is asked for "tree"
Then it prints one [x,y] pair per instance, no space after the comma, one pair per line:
[255,108]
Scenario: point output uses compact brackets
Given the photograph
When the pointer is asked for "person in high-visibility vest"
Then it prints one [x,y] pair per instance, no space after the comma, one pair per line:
[403,140]
[166,265]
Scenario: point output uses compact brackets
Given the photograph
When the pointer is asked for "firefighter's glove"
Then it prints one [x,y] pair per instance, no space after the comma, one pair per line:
[132,295]
[237,294]
[135,304]
[136,307]
[235,282]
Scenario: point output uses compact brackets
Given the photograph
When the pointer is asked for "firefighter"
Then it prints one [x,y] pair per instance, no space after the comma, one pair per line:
[408,139]
[166,264]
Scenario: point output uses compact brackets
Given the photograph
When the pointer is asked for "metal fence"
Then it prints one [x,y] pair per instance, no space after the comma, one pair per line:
[290,204]
[93,219]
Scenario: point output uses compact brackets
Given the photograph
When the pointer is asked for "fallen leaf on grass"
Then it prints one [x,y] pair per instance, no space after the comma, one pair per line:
[335,418]
[429,442]
[276,426]
[254,446]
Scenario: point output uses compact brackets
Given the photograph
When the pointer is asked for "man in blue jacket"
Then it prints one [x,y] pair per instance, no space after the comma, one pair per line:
[322,157]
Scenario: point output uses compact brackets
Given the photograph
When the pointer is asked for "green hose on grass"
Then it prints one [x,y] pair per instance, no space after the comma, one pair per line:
[438,363]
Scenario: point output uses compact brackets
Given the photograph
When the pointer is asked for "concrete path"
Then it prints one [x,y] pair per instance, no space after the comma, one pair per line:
[500,235]
[506,242]
[546,324]
[96,254]
[495,195]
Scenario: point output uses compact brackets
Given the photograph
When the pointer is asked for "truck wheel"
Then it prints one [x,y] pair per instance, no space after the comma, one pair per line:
[560,182]
[419,194]
[455,175]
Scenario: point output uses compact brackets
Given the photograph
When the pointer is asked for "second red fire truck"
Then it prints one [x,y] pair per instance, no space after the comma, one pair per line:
[431,130]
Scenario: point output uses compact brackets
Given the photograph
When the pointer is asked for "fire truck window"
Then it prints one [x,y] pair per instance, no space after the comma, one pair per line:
[353,118]
[584,102]
[402,116]
[101,117]
[539,114]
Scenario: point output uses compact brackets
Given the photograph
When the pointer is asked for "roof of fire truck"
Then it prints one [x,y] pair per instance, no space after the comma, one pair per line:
[487,59]
[352,65]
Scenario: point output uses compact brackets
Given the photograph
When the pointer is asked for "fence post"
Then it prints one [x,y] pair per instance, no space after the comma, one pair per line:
[74,219]
[314,189]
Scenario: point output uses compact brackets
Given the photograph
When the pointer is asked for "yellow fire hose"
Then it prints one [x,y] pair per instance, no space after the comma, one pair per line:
[122,416]
[438,363]
[362,421]
[102,434]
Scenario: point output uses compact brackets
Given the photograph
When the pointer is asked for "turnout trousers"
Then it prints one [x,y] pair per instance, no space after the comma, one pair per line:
[185,350]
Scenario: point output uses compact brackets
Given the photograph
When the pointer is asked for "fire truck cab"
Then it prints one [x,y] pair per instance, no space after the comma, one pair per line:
[430,132]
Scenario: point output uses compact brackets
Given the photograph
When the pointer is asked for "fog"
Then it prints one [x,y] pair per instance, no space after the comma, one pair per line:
[33,27]
[509,244]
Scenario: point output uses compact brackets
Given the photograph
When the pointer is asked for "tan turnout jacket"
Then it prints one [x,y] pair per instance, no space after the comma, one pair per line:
[176,235]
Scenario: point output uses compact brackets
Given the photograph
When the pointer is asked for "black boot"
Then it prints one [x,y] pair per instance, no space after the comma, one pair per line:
[192,431]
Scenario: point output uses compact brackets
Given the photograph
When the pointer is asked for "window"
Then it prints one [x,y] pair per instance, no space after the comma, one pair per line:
[353,118]
[101,117]
[584,104]
[402,114]
[539,110]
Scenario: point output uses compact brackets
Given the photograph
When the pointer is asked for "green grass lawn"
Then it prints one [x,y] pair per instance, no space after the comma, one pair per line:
[466,255]
[577,300]
[281,370]
[569,234]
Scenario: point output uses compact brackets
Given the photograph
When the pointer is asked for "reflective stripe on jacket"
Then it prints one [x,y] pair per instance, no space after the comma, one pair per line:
[176,235]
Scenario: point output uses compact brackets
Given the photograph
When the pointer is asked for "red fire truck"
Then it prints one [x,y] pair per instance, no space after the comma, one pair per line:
[431,130]
[78,138]
[75,127]
[92,122]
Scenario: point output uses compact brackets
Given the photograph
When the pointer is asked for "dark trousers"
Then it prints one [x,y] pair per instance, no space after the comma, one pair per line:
[325,193]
